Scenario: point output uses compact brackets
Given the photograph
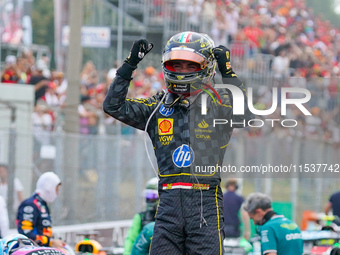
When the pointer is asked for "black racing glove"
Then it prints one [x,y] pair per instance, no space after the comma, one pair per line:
[138,51]
[222,55]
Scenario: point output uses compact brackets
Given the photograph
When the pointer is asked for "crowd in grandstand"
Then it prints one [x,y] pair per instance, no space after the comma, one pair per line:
[304,49]
[51,86]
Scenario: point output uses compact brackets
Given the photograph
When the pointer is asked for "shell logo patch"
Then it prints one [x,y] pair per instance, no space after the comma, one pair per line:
[165,126]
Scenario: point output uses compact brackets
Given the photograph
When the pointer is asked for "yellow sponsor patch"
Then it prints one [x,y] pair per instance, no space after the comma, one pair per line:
[203,124]
[201,186]
[26,225]
[165,140]
[165,126]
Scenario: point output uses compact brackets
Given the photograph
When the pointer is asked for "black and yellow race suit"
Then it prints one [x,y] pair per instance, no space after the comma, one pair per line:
[187,146]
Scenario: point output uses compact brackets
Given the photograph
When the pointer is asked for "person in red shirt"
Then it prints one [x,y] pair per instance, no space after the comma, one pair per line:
[253,33]
[10,73]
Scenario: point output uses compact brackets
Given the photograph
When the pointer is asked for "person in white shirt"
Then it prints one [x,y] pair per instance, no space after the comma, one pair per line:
[280,65]
[4,221]
[208,15]
[231,17]
[18,195]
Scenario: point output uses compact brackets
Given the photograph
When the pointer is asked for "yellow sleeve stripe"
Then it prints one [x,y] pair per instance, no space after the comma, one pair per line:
[223,146]
[141,101]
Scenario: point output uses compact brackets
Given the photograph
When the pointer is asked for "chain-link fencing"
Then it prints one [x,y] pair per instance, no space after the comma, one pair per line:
[103,176]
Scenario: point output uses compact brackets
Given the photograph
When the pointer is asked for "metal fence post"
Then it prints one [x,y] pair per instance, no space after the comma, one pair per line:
[269,160]
[295,180]
[58,169]
[11,166]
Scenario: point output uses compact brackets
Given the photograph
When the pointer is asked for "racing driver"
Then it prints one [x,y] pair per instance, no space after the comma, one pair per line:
[189,219]
[34,218]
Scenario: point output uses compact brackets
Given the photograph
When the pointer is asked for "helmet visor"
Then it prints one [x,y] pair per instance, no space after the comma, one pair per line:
[186,55]
[151,194]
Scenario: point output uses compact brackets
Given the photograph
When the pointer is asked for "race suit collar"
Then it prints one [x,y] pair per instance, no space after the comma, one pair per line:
[268,216]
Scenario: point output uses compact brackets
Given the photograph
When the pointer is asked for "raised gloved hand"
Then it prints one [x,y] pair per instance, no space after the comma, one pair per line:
[222,55]
[138,51]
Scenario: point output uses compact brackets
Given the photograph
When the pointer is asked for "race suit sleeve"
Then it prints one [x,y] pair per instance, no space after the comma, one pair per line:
[143,241]
[4,221]
[239,121]
[27,219]
[268,240]
[131,111]
[132,234]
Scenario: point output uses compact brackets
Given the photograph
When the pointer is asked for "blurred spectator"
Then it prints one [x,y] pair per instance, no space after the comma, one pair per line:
[219,32]
[333,93]
[208,15]
[297,81]
[313,122]
[84,122]
[88,116]
[181,5]
[232,206]
[158,7]
[62,87]
[52,98]
[44,62]
[11,28]
[39,81]
[18,195]
[193,13]
[43,123]
[4,220]
[11,73]
[42,119]
[89,76]
[111,74]
[231,18]
[253,33]
[264,98]
[150,77]
[30,57]
[314,87]
[139,89]
[334,206]
[280,66]
[23,69]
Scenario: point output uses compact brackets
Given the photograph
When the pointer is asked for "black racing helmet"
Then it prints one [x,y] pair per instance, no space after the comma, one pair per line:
[193,47]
